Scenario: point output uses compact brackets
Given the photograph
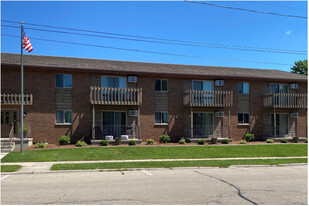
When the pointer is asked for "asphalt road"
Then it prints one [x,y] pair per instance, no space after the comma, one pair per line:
[235,185]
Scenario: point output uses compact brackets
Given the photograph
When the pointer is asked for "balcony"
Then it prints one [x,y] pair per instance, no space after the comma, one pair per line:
[115,96]
[208,99]
[15,99]
[285,100]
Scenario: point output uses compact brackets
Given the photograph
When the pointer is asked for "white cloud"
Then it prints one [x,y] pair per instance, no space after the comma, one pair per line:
[288,32]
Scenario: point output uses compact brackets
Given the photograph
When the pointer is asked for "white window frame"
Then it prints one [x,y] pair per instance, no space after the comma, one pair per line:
[213,84]
[64,123]
[243,88]
[161,112]
[243,118]
[114,76]
[288,87]
[161,85]
[63,80]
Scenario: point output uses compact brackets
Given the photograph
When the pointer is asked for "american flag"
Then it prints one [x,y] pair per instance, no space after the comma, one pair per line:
[26,43]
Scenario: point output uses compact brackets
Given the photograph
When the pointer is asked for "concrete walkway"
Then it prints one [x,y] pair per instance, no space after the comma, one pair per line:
[2,154]
[37,167]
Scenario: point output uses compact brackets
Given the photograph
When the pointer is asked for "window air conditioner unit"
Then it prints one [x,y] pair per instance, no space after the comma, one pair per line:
[294,115]
[219,82]
[132,113]
[219,114]
[294,86]
[132,78]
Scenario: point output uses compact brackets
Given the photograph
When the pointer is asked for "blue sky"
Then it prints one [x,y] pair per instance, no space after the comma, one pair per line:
[171,20]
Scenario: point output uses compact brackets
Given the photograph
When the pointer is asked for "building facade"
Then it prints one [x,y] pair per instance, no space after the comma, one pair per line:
[105,99]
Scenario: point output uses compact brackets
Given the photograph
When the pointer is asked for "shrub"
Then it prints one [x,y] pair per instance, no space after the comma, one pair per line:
[182,141]
[165,138]
[295,139]
[64,140]
[201,141]
[132,142]
[40,144]
[269,141]
[284,141]
[213,140]
[249,137]
[225,141]
[242,142]
[104,143]
[306,140]
[150,141]
[118,141]
[81,142]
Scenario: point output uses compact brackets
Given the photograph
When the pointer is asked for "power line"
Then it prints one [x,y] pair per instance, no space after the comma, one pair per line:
[249,10]
[154,38]
[150,41]
[150,52]
[283,6]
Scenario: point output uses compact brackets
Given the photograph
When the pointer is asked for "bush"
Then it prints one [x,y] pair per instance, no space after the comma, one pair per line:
[249,137]
[225,141]
[306,140]
[132,142]
[64,140]
[201,141]
[295,139]
[150,141]
[242,142]
[213,140]
[104,143]
[269,141]
[182,141]
[284,141]
[40,144]
[165,138]
[81,142]
[118,141]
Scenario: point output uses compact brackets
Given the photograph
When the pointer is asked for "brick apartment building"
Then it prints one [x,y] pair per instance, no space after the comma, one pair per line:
[104,99]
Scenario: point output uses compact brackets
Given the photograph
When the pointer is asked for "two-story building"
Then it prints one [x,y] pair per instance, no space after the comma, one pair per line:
[105,99]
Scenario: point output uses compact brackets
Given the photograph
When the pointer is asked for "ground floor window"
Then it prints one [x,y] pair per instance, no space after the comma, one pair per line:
[281,124]
[202,124]
[64,117]
[161,117]
[243,118]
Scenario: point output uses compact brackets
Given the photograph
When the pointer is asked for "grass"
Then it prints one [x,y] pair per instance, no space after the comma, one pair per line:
[168,164]
[10,168]
[154,152]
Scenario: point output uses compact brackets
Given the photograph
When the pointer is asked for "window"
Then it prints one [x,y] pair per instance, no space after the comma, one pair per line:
[115,82]
[243,118]
[243,88]
[278,88]
[161,117]
[64,80]
[64,117]
[161,85]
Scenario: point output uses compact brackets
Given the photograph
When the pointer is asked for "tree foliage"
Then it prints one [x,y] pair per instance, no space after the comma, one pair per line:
[300,67]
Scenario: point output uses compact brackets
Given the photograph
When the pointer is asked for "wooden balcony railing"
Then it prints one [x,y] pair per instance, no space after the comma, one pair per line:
[208,99]
[15,99]
[115,96]
[285,100]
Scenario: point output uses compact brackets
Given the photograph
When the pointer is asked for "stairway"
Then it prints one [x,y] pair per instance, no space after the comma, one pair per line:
[7,145]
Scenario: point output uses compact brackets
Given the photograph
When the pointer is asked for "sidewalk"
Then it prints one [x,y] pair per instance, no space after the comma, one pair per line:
[36,167]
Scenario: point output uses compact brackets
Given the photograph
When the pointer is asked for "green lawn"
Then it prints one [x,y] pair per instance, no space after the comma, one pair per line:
[156,152]
[10,168]
[168,164]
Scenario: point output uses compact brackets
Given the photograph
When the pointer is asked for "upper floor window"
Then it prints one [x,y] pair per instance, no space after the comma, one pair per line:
[206,86]
[279,88]
[161,85]
[64,117]
[116,82]
[64,80]
[243,88]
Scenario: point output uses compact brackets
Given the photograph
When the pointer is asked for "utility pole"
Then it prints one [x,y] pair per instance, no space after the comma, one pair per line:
[22,92]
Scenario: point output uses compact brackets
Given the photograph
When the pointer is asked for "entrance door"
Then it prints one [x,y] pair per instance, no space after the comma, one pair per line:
[114,123]
[202,124]
[8,118]
[281,124]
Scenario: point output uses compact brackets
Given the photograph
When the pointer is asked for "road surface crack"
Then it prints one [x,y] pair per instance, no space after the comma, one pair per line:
[221,180]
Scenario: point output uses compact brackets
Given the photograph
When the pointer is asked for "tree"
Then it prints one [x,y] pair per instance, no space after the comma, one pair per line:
[300,67]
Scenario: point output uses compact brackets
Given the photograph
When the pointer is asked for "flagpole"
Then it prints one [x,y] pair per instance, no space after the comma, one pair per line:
[22,93]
